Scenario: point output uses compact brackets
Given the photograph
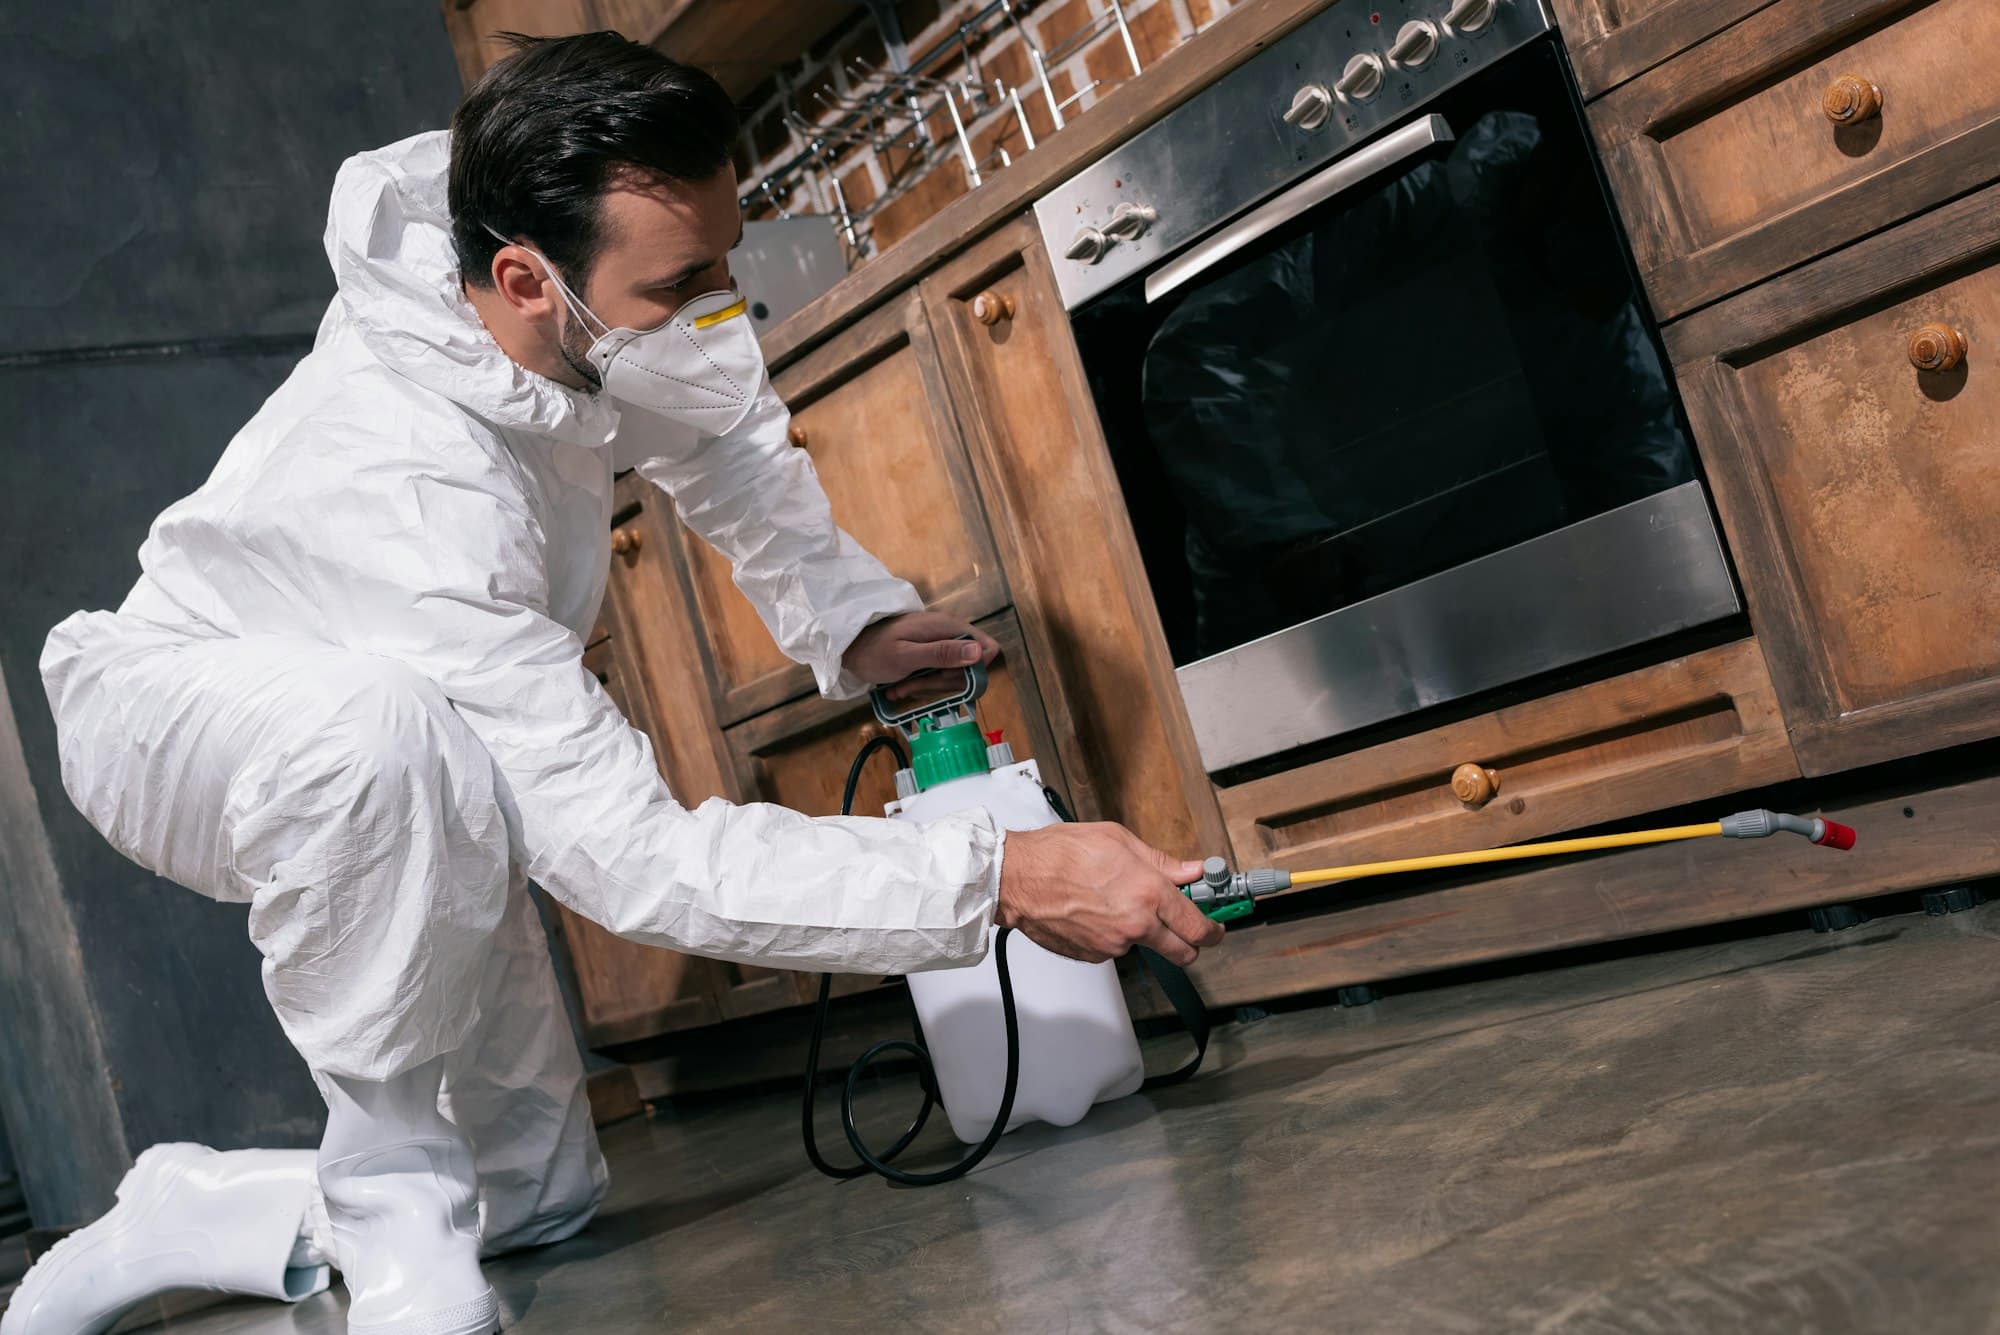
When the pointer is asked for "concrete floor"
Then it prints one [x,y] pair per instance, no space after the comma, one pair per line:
[1789,1133]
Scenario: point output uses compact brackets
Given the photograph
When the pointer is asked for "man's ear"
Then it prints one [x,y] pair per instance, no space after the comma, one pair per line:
[524,284]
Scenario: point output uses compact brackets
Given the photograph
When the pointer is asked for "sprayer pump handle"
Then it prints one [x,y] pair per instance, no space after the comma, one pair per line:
[908,720]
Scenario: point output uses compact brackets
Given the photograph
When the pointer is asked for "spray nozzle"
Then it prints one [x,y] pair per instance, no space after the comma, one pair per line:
[1762,824]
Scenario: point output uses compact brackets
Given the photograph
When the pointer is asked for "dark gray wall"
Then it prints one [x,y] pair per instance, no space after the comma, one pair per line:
[164,171]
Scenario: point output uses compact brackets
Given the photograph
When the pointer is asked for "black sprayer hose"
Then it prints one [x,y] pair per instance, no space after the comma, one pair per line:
[879,1164]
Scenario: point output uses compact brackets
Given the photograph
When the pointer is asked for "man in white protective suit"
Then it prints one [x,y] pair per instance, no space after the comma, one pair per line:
[347,690]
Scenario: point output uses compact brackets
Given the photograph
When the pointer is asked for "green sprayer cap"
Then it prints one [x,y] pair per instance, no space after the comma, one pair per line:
[941,752]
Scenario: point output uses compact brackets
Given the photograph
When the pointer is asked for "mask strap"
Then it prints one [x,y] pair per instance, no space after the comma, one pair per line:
[574,302]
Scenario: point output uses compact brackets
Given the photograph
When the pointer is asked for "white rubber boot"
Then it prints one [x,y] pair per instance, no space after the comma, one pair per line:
[187,1217]
[401,1199]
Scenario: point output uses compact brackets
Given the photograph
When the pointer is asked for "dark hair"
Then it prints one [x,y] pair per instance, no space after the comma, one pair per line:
[545,131]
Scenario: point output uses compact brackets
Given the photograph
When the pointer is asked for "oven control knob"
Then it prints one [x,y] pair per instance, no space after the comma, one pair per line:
[1362,78]
[1415,44]
[1470,15]
[1311,106]
[1088,246]
[1129,221]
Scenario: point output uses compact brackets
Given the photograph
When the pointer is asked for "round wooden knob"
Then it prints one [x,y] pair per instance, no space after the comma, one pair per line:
[796,434]
[1851,99]
[990,308]
[1475,785]
[624,541]
[1937,347]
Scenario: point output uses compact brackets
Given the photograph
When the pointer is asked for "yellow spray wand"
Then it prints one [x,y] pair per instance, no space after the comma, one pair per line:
[1225,895]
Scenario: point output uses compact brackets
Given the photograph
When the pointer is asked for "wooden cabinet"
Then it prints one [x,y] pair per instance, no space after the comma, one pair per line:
[871,411]
[1086,610]
[1807,186]
[1676,732]
[1805,126]
[1861,495]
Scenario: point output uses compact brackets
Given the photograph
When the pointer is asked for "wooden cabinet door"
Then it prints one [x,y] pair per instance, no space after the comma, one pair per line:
[1861,495]
[869,408]
[1086,608]
[798,756]
[1728,166]
[1610,41]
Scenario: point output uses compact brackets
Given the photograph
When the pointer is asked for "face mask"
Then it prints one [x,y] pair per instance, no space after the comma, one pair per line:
[703,367]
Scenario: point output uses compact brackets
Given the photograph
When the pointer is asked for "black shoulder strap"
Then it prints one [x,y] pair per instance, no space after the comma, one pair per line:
[1180,990]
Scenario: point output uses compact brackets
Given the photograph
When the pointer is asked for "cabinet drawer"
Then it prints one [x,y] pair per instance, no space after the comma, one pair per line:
[1673,733]
[1609,41]
[1862,495]
[1729,167]
[870,409]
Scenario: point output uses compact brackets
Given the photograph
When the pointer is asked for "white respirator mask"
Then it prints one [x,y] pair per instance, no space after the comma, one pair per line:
[702,367]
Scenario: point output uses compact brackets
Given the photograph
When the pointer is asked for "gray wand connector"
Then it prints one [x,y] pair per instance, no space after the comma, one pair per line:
[1219,886]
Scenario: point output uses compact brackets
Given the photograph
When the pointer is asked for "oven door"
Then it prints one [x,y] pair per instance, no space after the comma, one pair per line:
[1402,433]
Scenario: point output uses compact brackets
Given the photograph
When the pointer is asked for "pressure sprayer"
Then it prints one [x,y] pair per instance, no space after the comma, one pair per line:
[1028,1035]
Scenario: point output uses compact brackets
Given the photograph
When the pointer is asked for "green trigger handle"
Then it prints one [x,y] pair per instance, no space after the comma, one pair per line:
[1221,895]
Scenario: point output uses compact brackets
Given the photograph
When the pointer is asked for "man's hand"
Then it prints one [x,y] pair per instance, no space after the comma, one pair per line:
[901,646]
[1094,891]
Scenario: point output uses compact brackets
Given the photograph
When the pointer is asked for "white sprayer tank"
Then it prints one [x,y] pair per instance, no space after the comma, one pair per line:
[1077,1044]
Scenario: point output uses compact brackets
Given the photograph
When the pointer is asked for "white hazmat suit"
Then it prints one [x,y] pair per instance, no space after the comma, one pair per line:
[348,690]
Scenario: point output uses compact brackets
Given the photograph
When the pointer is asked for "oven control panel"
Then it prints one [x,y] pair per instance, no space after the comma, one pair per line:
[1337,81]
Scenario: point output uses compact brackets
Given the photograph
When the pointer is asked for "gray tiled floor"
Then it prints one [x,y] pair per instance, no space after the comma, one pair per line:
[1791,1133]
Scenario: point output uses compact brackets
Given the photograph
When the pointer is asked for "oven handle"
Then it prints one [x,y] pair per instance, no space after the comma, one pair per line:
[1343,175]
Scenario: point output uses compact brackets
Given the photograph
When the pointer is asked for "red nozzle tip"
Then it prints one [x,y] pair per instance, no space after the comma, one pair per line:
[1836,836]
[993,739]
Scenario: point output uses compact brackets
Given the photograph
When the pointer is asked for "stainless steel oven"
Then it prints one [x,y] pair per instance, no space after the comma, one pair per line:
[1385,401]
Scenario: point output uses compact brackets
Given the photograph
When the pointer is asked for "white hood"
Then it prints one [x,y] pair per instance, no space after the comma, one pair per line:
[388,237]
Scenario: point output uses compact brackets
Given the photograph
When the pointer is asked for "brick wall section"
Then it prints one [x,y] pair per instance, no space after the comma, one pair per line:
[921,185]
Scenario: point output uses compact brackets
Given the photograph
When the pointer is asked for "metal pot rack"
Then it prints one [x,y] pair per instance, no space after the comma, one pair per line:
[895,113]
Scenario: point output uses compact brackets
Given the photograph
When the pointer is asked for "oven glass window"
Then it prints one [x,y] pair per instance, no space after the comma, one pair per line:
[1436,365]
